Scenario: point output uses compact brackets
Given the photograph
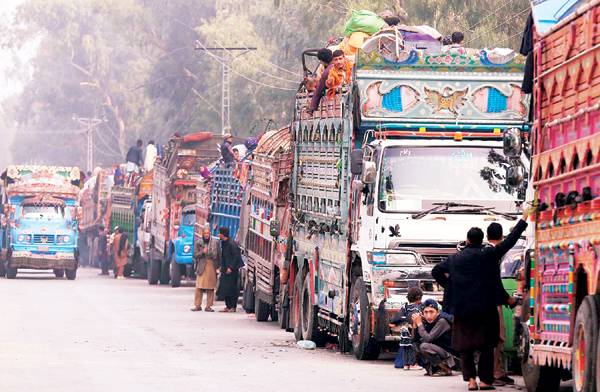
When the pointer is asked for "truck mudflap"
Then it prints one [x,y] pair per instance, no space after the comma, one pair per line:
[24,259]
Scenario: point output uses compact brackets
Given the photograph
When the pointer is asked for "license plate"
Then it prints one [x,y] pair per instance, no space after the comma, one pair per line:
[43,248]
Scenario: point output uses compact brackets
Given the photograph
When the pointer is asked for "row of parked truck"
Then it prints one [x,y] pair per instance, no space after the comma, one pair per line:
[340,212]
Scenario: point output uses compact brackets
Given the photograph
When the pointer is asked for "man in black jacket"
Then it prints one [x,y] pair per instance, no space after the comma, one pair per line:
[473,277]
[231,261]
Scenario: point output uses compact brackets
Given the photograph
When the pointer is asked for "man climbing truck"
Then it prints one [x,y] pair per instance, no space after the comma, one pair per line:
[562,277]
[389,173]
[41,229]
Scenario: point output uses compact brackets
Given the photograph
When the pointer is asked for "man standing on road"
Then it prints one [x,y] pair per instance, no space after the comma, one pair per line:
[231,261]
[103,250]
[474,279]
[206,263]
[494,236]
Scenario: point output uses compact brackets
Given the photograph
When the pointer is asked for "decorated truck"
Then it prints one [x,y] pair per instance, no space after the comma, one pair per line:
[264,227]
[173,206]
[126,209]
[94,200]
[390,173]
[41,212]
[563,276]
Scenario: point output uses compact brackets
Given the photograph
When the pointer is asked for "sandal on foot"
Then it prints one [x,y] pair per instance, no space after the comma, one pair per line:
[209,310]
[196,309]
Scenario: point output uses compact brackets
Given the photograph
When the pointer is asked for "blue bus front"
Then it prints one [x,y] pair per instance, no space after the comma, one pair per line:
[183,244]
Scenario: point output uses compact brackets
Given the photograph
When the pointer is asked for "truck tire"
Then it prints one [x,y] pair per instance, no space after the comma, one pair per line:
[154,272]
[585,342]
[308,316]
[2,269]
[261,310]
[541,378]
[71,274]
[283,308]
[59,273]
[11,272]
[274,307]
[165,267]
[248,296]
[364,345]
[295,307]
[175,273]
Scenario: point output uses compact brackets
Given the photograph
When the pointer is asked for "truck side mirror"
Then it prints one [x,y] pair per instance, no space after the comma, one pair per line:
[274,227]
[512,143]
[369,172]
[356,162]
[515,175]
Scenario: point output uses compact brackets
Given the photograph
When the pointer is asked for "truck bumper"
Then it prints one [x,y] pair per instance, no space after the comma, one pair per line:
[24,259]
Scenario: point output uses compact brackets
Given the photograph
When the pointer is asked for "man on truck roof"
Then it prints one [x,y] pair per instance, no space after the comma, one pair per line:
[227,152]
[338,76]
[135,157]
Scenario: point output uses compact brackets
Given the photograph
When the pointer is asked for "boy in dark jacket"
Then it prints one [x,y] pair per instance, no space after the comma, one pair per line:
[433,339]
[406,356]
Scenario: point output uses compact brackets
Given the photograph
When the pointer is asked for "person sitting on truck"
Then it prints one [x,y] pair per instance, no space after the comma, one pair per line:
[338,60]
[227,152]
[135,157]
[494,236]
[231,262]
[456,44]
[120,245]
[473,276]
[433,339]
[406,356]
[206,264]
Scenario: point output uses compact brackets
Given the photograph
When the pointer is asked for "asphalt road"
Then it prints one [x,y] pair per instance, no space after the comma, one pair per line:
[100,334]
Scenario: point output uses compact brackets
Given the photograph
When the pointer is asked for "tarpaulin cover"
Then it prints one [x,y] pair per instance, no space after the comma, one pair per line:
[364,21]
[197,137]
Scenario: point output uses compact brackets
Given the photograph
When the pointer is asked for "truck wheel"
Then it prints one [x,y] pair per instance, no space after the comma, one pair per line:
[276,288]
[363,344]
[11,272]
[127,270]
[283,308]
[175,273]
[585,341]
[274,312]
[154,272]
[2,269]
[308,316]
[295,309]
[261,310]
[541,378]
[59,273]
[165,277]
[248,297]
[71,274]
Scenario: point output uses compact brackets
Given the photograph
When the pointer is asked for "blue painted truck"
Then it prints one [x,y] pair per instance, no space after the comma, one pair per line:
[41,231]
[173,206]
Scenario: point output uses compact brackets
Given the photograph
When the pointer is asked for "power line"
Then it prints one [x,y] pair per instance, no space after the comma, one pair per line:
[495,13]
[279,67]
[202,47]
[498,25]
[261,71]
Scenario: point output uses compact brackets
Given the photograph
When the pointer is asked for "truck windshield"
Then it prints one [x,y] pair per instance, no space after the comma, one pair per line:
[188,218]
[411,176]
[32,212]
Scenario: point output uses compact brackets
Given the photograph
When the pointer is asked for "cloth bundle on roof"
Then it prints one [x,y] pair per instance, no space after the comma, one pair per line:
[364,21]
[197,137]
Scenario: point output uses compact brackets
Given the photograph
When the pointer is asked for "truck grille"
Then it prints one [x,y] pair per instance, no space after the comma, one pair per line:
[434,259]
[43,238]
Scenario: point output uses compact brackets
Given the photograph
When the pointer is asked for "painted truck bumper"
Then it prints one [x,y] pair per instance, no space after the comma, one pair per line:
[27,259]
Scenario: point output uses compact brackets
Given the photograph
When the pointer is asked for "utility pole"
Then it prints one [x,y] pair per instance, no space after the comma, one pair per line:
[89,124]
[226,58]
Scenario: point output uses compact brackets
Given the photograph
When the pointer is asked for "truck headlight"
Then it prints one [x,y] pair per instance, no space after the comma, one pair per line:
[186,249]
[65,239]
[401,259]
[21,238]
